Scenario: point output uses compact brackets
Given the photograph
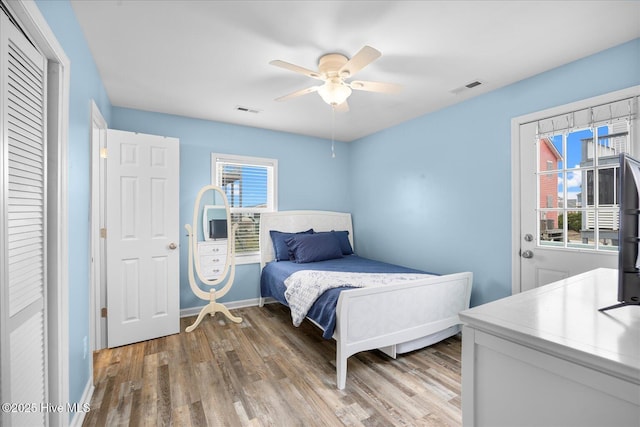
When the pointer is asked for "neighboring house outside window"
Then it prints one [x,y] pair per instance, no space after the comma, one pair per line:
[550,157]
[250,185]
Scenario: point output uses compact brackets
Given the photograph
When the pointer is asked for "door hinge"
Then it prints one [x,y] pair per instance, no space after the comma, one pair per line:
[103,153]
[103,312]
[103,233]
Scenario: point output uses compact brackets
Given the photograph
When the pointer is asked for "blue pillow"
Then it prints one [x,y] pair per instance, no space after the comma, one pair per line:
[343,240]
[280,245]
[305,248]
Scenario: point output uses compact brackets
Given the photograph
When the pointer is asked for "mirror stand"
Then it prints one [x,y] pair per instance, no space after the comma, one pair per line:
[228,273]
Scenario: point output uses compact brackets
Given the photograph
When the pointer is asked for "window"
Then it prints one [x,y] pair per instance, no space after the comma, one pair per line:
[578,200]
[250,186]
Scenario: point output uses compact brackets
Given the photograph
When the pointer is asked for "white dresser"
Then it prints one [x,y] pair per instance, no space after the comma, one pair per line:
[213,256]
[548,357]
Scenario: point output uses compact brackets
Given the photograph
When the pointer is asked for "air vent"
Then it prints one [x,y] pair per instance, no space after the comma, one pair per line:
[247,109]
[466,87]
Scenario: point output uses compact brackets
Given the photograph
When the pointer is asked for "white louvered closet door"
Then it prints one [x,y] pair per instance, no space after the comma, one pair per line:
[23,374]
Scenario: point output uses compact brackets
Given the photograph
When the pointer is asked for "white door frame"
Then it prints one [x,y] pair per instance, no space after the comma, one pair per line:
[58,80]
[515,165]
[97,291]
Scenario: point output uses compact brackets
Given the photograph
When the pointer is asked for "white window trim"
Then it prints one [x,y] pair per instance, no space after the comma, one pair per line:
[257,161]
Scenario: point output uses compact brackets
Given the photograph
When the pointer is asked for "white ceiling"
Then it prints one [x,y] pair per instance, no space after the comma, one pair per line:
[203,59]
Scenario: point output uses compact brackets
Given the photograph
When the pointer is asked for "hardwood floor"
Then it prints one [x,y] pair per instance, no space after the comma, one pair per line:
[266,372]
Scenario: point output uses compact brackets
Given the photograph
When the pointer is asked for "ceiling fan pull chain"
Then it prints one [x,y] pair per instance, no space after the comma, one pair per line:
[333,131]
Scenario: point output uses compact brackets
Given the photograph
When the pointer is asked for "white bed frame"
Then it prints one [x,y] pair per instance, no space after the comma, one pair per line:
[394,319]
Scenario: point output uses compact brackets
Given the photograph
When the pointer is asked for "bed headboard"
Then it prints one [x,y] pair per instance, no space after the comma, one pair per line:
[293,221]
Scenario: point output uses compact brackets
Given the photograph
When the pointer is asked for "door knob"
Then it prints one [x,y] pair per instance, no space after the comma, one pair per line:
[527,254]
[172,245]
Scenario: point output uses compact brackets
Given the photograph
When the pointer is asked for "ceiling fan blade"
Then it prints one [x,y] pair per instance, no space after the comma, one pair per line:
[298,93]
[375,87]
[296,69]
[342,108]
[364,57]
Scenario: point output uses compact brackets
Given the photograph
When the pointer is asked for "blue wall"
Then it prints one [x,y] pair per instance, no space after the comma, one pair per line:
[443,202]
[308,177]
[85,86]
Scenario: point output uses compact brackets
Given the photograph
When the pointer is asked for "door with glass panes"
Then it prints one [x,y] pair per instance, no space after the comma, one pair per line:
[569,190]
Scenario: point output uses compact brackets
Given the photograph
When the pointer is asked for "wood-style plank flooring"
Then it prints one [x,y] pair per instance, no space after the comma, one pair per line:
[266,372]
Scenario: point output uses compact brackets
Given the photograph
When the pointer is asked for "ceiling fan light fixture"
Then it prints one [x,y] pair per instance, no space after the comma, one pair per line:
[333,69]
[334,93]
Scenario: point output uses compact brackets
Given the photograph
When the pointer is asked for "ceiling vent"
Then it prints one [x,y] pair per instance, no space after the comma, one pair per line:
[466,87]
[247,109]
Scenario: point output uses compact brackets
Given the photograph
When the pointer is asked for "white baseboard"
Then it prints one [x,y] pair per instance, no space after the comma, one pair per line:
[194,311]
[85,401]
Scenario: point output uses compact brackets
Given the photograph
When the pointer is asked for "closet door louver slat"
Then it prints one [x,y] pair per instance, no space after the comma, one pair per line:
[23,378]
[22,294]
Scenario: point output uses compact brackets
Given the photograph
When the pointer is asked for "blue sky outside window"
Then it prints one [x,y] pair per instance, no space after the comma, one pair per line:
[245,186]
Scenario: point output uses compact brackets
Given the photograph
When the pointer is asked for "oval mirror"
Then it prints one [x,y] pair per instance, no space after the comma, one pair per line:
[216,251]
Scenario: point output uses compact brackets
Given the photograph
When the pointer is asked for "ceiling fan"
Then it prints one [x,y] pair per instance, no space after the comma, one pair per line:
[333,70]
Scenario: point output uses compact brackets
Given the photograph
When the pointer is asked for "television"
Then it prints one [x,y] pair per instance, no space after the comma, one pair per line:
[628,233]
[218,229]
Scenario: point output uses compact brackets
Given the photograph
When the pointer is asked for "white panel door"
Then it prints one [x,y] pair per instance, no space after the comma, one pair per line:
[568,181]
[143,291]
[23,266]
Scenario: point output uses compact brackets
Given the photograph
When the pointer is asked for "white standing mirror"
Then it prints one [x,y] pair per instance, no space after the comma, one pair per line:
[212,259]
